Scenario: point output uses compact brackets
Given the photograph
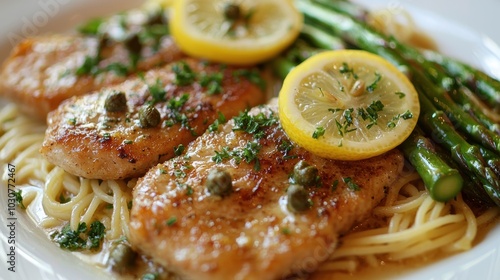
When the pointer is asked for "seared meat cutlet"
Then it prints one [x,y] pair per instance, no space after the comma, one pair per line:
[43,71]
[184,222]
[122,131]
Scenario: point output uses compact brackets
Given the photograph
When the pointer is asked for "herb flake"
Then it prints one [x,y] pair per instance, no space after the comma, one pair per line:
[318,132]
[19,199]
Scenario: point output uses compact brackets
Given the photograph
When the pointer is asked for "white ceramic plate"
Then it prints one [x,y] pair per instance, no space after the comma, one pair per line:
[466,29]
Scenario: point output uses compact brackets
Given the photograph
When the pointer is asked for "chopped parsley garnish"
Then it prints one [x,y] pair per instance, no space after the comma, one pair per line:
[344,69]
[72,121]
[63,199]
[248,154]
[175,116]
[150,276]
[371,112]
[184,75]
[157,91]
[19,198]
[171,221]
[179,173]
[91,27]
[351,184]
[96,234]
[152,35]
[318,132]
[80,239]
[400,94]
[176,103]
[118,68]
[179,150]
[189,191]
[286,231]
[254,125]
[285,146]
[405,116]
[373,85]
[213,82]
[215,126]
[106,137]
[162,171]
[89,66]
[343,127]
[70,239]
[335,184]
[252,75]
[222,155]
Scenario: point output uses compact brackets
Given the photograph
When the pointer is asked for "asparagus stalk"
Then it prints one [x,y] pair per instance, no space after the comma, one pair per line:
[491,159]
[480,83]
[349,30]
[472,187]
[281,66]
[464,122]
[461,95]
[467,156]
[448,87]
[442,181]
[301,51]
[321,39]
[484,86]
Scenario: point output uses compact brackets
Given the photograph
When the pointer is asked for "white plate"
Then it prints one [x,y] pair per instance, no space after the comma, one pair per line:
[466,29]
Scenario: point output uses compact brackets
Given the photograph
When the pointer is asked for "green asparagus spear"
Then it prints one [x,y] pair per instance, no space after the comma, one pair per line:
[464,122]
[484,86]
[491,159]
[472,187]
[281,66]
[480,83]
[448,86]
[467,156]
[442,181]
[321,39]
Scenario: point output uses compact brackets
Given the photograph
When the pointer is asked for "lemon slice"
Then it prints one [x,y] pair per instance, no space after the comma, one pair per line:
[235,31]
[347,105]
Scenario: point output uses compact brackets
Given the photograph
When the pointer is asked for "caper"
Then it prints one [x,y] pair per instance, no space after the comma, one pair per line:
[298,198]
[305,174]
[232,11]
[219,182]
[121,257]
[116,102]
[133,44]
[149,116]
[156,18]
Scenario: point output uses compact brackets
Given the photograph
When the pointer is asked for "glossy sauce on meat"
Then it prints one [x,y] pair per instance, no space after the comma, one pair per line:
[87,140]
[251,233]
